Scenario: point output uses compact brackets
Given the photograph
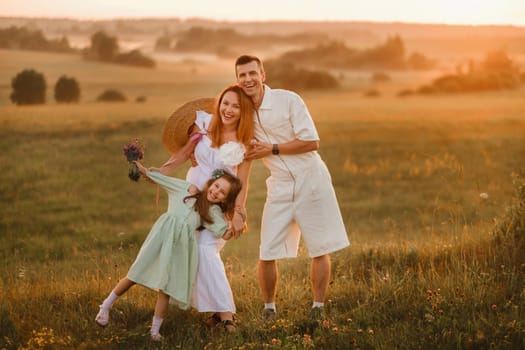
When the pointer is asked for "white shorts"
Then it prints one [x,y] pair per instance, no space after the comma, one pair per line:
[304,205]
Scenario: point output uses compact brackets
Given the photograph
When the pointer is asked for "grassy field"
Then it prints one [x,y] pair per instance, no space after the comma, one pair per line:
[432,264]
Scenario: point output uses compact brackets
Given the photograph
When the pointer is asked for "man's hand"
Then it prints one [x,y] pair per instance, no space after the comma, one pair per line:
[258,150]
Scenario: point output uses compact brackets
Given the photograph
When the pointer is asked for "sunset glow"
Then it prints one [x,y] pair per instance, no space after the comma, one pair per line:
[471,12]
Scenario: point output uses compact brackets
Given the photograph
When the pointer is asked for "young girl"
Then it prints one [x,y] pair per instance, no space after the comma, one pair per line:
[168,258]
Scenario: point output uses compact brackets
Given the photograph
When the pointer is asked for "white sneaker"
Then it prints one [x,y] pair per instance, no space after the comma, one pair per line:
[102,318]
[156,337]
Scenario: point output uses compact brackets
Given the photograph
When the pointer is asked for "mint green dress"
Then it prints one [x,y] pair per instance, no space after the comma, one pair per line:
[168,258]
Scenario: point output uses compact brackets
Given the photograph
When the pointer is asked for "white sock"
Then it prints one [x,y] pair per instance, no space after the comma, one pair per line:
[317,304]
[155,325]
[270,306]
[108,302]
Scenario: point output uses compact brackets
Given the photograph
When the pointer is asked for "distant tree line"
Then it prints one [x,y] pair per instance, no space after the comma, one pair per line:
[21,38]
[287,75]
[105,48]
[225,42]
[497,71]
[335,54]
[320,51]
[292,70]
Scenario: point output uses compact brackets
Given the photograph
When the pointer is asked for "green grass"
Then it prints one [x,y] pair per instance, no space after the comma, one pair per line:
[421,270]
[426,269]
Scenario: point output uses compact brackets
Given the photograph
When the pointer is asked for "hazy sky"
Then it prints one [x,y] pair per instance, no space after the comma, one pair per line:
[423,11]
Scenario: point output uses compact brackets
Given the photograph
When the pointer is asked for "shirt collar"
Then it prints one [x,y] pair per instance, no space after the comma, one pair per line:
[267,98]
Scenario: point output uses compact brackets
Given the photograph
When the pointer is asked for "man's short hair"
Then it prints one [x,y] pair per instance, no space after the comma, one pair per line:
[244,59]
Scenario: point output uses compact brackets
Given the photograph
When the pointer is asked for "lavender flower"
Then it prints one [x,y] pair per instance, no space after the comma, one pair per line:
[133,151]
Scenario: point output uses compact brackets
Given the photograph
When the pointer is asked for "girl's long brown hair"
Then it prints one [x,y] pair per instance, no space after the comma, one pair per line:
[244,128]
[202,205]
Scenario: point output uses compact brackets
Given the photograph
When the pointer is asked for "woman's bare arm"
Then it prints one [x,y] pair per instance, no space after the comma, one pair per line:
[239,216]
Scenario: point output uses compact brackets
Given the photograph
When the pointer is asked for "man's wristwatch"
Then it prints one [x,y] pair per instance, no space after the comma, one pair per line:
[275,149]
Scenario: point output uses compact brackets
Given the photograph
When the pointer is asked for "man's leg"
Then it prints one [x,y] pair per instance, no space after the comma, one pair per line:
[268,275]
[320,276]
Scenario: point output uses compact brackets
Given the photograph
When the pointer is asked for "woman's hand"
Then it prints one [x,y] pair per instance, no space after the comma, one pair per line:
[193,190]
[239,221]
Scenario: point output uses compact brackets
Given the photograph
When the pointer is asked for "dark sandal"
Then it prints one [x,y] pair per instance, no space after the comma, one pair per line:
[213,320]
[229,326]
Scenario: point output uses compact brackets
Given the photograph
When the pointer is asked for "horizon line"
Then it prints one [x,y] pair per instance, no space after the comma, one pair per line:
[210,19]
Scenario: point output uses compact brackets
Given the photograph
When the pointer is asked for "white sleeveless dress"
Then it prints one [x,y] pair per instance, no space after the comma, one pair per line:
[212,291]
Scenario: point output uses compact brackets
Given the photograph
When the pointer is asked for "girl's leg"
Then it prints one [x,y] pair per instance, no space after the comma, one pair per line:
[122,287]
[162,304]
[160,310]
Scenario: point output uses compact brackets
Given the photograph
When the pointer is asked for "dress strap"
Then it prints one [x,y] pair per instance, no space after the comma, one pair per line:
[203,120]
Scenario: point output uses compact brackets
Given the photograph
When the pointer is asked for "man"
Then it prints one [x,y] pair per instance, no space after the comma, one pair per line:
[300,198]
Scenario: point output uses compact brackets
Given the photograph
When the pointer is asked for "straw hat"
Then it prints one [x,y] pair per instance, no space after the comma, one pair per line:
[178,126]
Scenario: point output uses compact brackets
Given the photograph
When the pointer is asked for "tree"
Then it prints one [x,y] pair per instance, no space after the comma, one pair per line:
[498,61]
[29,87]
[111,95]
[67,90]
[284,74]
[103,46]
[27,39]
[389,55]
[134,58]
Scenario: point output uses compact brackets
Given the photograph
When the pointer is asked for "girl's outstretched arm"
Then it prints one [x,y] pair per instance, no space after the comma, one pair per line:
[141,167]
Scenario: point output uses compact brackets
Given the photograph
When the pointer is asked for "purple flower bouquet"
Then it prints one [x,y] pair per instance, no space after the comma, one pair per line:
[133,151]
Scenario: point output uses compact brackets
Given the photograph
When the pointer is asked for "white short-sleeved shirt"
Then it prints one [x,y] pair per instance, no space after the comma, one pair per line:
[283,117]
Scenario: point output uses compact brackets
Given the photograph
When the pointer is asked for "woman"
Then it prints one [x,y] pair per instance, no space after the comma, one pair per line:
[226,134]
